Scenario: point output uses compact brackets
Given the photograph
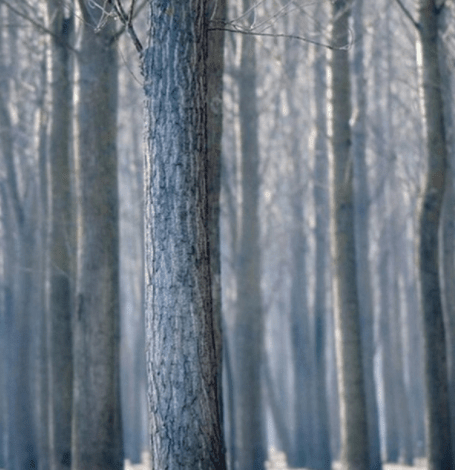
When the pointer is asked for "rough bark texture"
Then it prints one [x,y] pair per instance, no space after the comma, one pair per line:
[59,301]
[362,219]
[250,450]
[353,412]
[439,448]
[183,362]
[96,431]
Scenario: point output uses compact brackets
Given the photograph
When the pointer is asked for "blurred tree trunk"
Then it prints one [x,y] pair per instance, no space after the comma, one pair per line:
[41,375]
[323,459]
[22,442]
[249,324]
[439,448]
[362,219]
[96,427]
[60,239]
[302,344]
[216,14]
[183,363]
[447,229]
[353,410]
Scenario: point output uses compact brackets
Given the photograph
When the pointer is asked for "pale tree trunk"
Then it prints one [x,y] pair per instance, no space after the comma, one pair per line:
[362,220]
[183,362]
[353,411]
[250,451]
[40,323]
[21,442]
[96,422]
[394,203]
[439,448]
[59,300]
[321,305]
[302,345]
[322,240]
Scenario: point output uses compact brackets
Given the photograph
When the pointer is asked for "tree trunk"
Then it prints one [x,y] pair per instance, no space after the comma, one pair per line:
[215,67]
[439,448]
[353,411]
[183,364]
[60,238]
[362,220]
[249,326]
[321,304]
[96,428]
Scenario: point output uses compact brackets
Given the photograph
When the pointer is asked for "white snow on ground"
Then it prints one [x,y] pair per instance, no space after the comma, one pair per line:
[277,461]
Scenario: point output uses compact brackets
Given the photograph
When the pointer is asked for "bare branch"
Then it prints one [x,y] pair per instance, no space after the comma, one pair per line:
[127,22]
[235,29]
[408,14]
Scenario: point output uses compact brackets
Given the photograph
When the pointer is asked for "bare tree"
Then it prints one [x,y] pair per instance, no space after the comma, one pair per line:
[96,430]
[60,239]
[353,411]
[439,448]
[183,361]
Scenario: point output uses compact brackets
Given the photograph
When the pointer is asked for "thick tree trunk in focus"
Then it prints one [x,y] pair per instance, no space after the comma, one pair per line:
[183,360]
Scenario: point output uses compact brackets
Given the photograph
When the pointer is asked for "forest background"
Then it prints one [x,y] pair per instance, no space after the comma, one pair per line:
[336,231]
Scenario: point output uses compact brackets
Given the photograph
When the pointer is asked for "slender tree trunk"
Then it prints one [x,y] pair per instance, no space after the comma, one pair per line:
[362,218]
[447,229]
[216,14]
[183,364]
[439,448]
[302,346]
[96,422]
[321,305]
[60,298]
[249,326]
[353,411]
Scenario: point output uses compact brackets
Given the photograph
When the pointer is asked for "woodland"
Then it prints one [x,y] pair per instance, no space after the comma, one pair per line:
[227,234]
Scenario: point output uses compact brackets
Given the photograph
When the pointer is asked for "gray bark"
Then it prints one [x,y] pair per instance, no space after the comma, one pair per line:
[96,422]
[183,363]
[21,442]
[362,219]
[447,229]
[60,298]
[353,411]
[321,304]
[439,447]
[215,68]
[250,450]
[302,345]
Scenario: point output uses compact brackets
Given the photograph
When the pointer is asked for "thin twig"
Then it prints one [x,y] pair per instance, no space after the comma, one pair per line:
[289,36]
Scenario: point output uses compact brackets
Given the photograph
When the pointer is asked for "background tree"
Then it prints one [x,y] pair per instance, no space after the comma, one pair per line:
[61,239]
[96,429]
[438,426]
[249,323]
[353,411]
